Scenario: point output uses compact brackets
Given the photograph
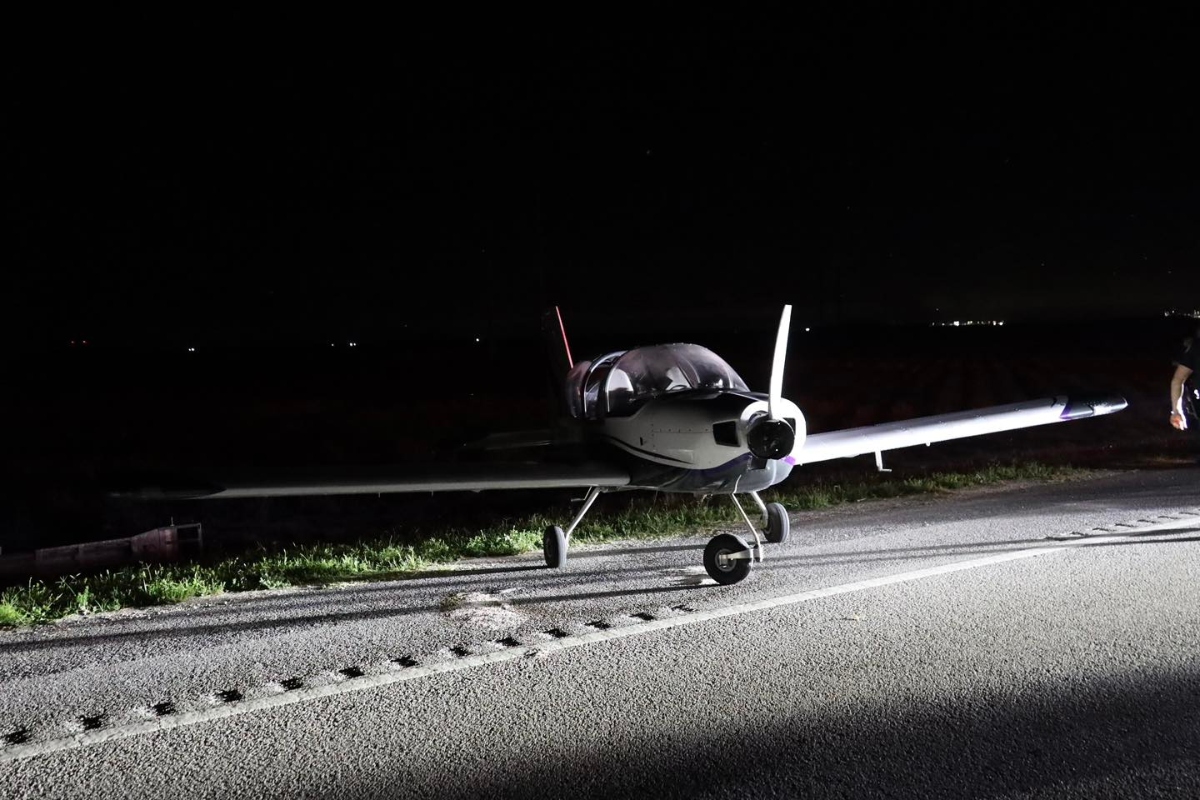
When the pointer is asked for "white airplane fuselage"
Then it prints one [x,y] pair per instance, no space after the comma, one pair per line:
[698,442]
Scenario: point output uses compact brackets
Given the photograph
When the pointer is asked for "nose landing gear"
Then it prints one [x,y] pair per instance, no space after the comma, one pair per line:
[728,558]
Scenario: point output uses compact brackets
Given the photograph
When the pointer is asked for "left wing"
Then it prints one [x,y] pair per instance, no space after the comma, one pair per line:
[956,425]
[466,477]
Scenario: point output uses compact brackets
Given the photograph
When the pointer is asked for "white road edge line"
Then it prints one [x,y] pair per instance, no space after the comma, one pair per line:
[20,751]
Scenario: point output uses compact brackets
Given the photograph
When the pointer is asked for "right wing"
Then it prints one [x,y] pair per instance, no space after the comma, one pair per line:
[439,477]
[956,425]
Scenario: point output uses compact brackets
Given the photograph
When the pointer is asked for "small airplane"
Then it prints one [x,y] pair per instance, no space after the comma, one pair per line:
[668,418]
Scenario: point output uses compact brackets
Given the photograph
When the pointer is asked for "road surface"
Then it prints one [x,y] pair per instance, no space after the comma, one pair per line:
[1021,641]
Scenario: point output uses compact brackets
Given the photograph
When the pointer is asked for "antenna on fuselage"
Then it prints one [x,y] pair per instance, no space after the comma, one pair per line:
[558,350]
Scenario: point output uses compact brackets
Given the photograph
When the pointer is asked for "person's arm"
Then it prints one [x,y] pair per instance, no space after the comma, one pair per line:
[1182,373]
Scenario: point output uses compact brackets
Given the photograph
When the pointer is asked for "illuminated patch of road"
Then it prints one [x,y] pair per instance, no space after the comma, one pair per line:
[21,742]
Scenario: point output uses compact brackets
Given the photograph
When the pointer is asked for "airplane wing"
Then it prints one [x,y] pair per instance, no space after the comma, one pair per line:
[957,425]
[394,479]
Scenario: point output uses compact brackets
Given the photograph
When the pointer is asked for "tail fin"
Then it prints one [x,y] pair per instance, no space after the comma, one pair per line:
[559,351]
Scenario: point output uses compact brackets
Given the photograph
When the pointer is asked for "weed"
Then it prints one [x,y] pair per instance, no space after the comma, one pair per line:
[10,615]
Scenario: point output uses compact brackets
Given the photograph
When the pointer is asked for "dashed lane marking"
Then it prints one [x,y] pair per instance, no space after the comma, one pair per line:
[407,668]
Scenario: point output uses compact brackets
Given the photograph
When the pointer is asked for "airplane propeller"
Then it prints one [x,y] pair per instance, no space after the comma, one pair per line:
[769,436]
[775,393]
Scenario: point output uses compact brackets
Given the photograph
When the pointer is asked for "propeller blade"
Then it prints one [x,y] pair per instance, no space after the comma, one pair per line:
[776,391]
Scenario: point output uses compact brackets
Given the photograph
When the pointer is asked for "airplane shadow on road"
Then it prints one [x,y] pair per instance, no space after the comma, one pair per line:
[580,555]
[298,621]
[1128,542]
[181,629]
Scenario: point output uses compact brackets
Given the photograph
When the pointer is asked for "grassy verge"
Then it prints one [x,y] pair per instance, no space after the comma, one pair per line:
[645,516]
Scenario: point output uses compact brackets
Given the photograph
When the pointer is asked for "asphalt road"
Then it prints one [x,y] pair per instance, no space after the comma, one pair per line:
[1027,641]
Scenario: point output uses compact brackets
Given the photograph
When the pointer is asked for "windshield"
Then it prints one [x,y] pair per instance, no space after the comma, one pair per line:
[649,371]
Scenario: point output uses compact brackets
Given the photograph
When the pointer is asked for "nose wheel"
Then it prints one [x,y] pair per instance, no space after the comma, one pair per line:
[728,558]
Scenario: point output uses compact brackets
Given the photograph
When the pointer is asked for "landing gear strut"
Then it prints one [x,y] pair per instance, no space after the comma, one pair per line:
[555,540]
[728,558]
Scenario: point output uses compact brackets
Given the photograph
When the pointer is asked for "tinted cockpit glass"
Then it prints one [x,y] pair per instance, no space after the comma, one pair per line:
[575,380]
[585,383]
[649,371]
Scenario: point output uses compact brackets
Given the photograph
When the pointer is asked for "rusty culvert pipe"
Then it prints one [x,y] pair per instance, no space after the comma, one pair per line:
[169,543]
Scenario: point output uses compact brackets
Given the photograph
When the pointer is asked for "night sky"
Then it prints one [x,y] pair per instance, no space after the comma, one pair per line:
[894,168]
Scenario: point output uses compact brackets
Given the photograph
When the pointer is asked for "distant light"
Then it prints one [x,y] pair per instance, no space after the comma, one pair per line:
[477,338]
[331,344]
[191,349]
[354,344]
[960,323]
[85,341]
[806,330]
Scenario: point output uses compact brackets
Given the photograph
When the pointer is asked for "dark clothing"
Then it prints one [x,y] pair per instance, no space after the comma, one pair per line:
[1188,355]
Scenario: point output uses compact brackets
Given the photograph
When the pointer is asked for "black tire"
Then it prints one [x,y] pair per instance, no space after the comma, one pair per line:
[778,524]
[554,546]
[731,571]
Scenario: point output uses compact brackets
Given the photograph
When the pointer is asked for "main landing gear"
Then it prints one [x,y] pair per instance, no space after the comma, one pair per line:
[727,558]
[555,539]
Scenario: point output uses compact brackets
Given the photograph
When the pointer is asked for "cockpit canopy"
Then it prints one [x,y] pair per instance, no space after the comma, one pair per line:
[616,384]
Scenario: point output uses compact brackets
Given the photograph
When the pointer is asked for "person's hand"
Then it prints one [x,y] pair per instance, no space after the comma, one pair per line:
[1178,421]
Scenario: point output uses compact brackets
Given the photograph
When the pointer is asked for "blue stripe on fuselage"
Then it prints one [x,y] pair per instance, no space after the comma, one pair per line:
[639,451]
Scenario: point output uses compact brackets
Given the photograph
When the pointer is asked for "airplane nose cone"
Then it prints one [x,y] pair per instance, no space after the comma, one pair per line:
[770,438]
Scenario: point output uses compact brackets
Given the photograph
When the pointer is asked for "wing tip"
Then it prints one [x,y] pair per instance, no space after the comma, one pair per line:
[1093,406]
[153,492]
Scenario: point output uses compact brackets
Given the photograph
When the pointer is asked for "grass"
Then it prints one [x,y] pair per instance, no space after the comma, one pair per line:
[392,556]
